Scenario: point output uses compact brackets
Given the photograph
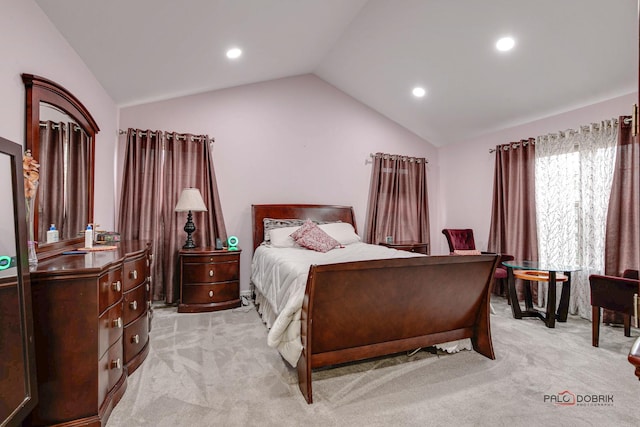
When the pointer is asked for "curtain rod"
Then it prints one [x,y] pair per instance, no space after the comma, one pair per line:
[56,125]
[394,156]
[179,136]
[585,128]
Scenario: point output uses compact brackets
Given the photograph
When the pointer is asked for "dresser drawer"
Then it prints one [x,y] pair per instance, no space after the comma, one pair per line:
[109,328]
[211,272]
[135,272]
[135,337]
[110,370]
[206,293]
[135,303]
[109,289]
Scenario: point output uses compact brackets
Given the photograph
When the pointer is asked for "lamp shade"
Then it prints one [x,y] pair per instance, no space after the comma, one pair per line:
[190,200]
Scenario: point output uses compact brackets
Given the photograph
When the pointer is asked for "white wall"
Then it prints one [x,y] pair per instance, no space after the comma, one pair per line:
[30,44]
[292,140]
[466,192]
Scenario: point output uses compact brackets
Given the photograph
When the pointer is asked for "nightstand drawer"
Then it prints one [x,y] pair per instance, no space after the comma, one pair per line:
[208,273]
[219,256]
[206,293]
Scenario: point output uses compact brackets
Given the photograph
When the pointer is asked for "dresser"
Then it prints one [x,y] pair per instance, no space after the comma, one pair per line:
[91,330]
[209,279]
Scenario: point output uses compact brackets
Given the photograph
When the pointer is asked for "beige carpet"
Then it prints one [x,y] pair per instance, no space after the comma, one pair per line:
[215,369]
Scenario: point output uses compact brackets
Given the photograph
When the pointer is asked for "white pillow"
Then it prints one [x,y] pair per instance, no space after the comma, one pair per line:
[343,232]
[281,237]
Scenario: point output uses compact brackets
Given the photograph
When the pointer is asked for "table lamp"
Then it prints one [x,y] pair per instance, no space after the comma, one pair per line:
[190,201]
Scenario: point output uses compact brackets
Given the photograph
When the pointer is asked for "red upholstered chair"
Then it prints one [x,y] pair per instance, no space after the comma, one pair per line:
[461,239]
[615,294]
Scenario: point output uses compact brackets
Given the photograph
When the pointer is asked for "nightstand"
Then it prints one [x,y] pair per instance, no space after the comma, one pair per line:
[417,247]
[209,279]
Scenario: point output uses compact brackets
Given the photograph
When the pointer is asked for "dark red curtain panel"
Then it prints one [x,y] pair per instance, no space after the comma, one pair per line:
[398,203]
[622,242]
[77,194]
[51,201]
[158,166]
[513,214]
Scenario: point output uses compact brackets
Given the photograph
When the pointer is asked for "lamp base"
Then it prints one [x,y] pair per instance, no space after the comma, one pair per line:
[189,228]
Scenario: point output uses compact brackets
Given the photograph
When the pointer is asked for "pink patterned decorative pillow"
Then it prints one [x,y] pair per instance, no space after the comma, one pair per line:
[306,226]
[312,237]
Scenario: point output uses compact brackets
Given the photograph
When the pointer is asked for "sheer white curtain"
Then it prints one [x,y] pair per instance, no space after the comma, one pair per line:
[574,170]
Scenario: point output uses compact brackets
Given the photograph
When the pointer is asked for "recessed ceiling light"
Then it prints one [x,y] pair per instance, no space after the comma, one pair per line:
[505,44]
[234,53]
[419,92]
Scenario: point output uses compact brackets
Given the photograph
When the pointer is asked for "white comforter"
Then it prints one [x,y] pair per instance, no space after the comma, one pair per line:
[279,276]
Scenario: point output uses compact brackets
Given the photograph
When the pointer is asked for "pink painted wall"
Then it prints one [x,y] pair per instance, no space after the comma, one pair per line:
[292,140]
[466,178]
[29,43]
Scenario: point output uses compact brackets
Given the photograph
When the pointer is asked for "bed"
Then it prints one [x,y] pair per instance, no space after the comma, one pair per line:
[355,310]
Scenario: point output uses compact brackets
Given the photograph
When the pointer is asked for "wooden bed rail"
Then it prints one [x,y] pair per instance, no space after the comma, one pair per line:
[358,310]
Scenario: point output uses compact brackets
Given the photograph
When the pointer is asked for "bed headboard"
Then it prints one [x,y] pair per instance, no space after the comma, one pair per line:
[314,212]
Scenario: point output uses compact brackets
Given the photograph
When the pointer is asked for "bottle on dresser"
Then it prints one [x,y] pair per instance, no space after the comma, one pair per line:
[52,234]
[88,237]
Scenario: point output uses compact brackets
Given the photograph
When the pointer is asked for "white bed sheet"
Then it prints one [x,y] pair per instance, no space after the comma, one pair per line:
[279,277]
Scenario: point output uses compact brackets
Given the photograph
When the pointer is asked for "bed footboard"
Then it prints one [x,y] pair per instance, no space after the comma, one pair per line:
[358,310]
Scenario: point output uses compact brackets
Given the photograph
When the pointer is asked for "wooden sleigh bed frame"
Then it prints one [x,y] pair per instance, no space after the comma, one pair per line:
[359,310]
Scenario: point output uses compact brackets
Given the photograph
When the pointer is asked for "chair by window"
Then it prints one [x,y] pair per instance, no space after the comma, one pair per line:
[461,239]
[615,294]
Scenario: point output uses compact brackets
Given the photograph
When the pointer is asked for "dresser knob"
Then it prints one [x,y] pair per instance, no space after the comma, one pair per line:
[117,323]
[117,286]
[116,364]
[135,339]
[134,274]
[133,305]
[210,294]
[210,273]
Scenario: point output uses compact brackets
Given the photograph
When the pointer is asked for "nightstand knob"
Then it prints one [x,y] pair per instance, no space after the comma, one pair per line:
[117,323]
[210,294]
[135,339]
[133,305]
[210,273]
[134,274]
[116,364]
[117,286]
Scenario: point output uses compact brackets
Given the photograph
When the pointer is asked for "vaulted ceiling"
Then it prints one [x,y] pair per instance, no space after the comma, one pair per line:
[567,54]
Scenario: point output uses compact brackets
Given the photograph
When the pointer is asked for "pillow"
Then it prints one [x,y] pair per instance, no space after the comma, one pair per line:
[467,252]
[281,237]
[306,226]
[272,223]
[343,232]
[310,236]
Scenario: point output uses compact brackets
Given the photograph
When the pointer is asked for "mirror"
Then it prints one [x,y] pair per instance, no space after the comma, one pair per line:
[17,362]
[60,132]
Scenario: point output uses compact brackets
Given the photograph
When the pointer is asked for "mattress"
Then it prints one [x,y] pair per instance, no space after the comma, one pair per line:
[279,278]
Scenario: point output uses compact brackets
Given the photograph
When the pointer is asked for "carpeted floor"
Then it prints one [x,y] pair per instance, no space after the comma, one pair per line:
[215,369]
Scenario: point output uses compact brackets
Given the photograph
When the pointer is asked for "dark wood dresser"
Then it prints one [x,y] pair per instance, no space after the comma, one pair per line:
[91,330]
[209,279]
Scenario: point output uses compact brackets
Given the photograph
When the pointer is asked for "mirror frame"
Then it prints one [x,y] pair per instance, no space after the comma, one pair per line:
[23,283]
[40,89]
